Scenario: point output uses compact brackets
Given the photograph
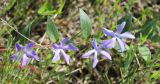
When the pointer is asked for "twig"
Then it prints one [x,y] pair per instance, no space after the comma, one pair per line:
[137,60]
[41,41]
[5,22]
[73,71]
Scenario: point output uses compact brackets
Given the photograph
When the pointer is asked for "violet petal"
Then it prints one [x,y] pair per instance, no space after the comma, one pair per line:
[18,47]
[66,57]
[127,35]
[29,46]
[87,54]
[70,47]
[106,54]
[56,56]
[32,54]
[94,43]
[14,56]
[25,60]
[108,43]
[120,27]
[64,41]
[121,44]
[55,46]
[95,60]
[108,32]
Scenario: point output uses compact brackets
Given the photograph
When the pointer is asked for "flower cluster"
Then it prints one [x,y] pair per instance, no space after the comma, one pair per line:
[59,49]
[107,44]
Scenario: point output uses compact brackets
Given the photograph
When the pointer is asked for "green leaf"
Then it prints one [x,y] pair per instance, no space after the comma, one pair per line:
[46,9]
[26,32]
[147,28]
[150,30]
[52,30]
[144,52]
[85,24]
[129,57]
[155,75]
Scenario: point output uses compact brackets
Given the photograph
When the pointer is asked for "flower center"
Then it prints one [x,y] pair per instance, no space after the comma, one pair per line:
[60,47]
[116,34]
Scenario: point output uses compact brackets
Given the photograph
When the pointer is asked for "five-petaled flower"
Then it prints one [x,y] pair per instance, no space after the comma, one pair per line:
[26,53]
[59,49]
[97,49]
[117,36]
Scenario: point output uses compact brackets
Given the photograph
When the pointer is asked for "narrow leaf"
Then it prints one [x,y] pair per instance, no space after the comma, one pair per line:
[150,30]
[52,30]
[85,24]
[26,32]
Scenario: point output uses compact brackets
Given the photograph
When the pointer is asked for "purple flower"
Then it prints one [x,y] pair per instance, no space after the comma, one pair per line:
[59,50]
[95,51]
[26,53]
[117,36]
